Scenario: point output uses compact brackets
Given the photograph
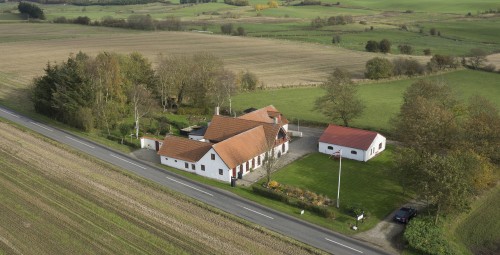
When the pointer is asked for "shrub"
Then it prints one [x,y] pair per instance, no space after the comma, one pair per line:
[260,7]
[385,46]
[427,52]
[32,10]
[310,2]
[236,2]
[82,20]
[362,22]
[405,49]
[61,19]
[317,22]
[142,22]
[248,80]
[378,68]
[273,184]
[336,39]
[172,24]
[432,31]
[226,28]
[409,67]
[269,193]
[372,46]
[241,31]
[425,237]
[272,4]
[441,62]
[340,20]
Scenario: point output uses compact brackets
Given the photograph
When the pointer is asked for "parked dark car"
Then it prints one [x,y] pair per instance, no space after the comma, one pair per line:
[404,214]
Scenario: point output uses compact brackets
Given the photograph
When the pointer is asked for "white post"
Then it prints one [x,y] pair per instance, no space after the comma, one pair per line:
[340,171]
[230,107]
[298,125]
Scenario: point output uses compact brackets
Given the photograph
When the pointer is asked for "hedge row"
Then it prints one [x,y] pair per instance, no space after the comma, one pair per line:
[125,142]
[322,211]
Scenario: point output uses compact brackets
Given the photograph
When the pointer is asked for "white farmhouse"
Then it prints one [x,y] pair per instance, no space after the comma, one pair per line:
[356,144]
[230,147]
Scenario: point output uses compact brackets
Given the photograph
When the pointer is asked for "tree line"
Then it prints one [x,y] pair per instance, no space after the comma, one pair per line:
[450,154]
[99,92]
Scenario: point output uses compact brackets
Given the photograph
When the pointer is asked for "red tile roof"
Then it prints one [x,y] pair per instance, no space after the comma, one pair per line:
[182,148]
[242,147]
[223,127]
[348,137]
[266,115]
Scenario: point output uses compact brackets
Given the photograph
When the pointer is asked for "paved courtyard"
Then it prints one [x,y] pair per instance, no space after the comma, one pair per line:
[299,147]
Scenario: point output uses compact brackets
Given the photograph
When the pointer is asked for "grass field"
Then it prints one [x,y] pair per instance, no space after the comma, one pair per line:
[369,184]
[382,99]
[477,232]
[72,205]
[460,33]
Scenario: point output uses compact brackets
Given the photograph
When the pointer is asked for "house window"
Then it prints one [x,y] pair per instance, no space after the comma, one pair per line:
[283,147]
[176,160]
[193,166]
[258,160]
[354,152]
[330,147]
[186,165]
[221,172]
[166,158]
[212,156]
[380,146]
[202,167]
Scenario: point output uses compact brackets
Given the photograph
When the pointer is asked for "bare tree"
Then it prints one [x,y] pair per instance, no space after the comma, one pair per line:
[172,76]
[142,102]
[271,158]
[225,87]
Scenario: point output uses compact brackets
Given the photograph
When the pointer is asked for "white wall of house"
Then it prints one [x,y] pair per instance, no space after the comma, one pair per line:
[178,163]
[377,146]
[347,152]
[212,167]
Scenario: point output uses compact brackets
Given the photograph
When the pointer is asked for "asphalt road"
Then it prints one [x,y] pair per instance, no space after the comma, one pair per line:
[295,228]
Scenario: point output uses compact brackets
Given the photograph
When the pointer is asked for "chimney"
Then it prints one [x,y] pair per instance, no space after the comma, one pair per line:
[217,110]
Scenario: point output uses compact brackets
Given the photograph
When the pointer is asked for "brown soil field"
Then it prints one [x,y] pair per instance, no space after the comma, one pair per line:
[495,60]
[26,49]
[53,201]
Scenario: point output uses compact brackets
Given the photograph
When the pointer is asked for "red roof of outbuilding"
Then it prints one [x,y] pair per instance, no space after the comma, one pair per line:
[348,137]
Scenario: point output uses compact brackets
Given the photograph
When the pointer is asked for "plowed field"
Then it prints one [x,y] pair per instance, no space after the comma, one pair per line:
[55,202]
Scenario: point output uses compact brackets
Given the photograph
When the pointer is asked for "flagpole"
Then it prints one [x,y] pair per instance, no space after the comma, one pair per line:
[340,171]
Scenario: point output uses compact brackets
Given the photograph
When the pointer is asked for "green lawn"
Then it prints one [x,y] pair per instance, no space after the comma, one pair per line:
[382,99]
[371,184]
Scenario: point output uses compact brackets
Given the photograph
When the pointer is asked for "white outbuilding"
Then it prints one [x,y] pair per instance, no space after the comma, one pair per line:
[356,144]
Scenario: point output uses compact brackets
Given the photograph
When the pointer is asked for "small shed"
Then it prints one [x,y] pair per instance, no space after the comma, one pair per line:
[356,144]
[151,143]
